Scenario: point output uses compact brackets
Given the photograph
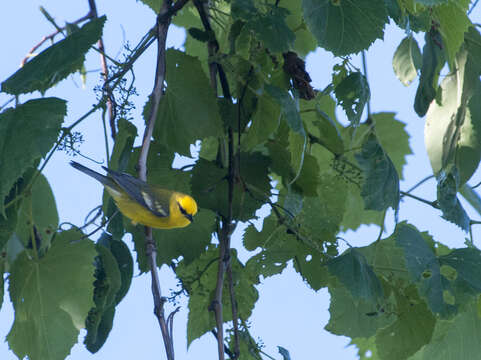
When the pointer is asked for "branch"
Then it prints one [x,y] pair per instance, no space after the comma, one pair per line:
[105,73]
[212,44]
[162,28]
[235,317]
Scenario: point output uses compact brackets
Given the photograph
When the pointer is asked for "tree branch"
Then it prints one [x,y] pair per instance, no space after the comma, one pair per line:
[162,27]
[235,317]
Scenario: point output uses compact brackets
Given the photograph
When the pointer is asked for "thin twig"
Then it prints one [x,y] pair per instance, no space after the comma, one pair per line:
[418,184]
[473,6]
[105,73]
[52,36]
[212,45]
[434,204]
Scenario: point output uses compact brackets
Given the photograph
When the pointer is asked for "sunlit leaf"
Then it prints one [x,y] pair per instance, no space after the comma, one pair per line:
[407,60]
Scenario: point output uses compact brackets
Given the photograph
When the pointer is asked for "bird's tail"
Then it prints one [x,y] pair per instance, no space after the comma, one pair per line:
[102,178]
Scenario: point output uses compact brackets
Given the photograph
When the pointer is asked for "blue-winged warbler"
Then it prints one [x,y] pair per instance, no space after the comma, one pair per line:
[145,203]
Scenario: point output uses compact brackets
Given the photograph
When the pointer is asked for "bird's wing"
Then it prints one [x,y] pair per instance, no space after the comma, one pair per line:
[156,202]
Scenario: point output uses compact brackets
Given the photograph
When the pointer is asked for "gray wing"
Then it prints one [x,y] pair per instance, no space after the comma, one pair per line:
[141,192]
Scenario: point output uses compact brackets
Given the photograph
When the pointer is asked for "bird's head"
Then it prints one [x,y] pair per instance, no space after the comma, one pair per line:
[187,206]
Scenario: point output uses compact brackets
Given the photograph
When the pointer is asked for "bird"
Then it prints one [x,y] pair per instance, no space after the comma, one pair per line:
[144,203]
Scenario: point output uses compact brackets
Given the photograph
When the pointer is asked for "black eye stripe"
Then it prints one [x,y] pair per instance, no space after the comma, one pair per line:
[182,210]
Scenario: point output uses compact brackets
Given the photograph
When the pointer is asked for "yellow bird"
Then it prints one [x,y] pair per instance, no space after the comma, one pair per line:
[143,203]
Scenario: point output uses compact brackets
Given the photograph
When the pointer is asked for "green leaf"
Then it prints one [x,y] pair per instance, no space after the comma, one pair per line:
[37,123]
[122,255]
[433,62]
[366,346]
[188,110]
[108,279]
[243,9]
[189,242]
[318,118]
[278,246]
[249,349]
[198,34]
[352,94]
[423,268]
[321,216]
[288,107]
[345,27]
[407,60]
[264,123]
[394,139]
[386,258]
[453,23]
[272,30]
[305,42]
[308,179]
[153,4]
[38,215]
[8,223]
[356,275]
[124,142]
[412,329]
[106,286]
[51,297]
[354,317]
[381,184]
[56,62]
[456,120]
[355,213]
[458,338]
[200,278]
[103,328]
[210,186]
[467,263]
[448,185]
[409,16]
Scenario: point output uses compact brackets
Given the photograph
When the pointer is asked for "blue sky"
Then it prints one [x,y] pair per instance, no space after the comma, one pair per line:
[288,313]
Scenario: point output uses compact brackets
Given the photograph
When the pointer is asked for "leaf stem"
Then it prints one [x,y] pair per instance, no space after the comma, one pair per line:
[364,70]
[434,204]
